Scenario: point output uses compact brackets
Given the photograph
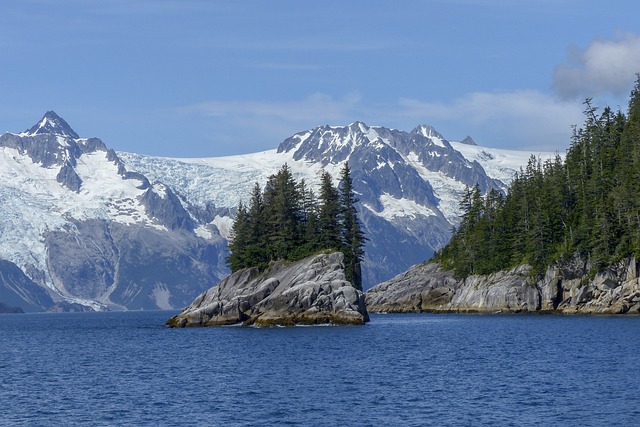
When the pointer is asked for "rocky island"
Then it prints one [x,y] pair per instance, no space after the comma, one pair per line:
[307,292]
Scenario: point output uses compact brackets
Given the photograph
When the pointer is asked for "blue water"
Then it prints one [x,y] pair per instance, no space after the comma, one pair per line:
[128,369]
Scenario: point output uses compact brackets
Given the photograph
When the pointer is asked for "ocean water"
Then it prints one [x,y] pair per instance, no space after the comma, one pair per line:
[399,370]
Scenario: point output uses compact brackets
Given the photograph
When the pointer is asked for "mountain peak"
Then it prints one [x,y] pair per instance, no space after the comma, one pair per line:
[468,140]
[427,131]
[53,124]
[358,125]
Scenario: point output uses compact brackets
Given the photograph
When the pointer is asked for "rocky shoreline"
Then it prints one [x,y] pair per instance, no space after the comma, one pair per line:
[565,289]
[314,291]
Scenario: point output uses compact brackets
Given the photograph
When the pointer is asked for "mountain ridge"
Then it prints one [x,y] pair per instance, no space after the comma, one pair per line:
[114,230]
[73,210]
[409,185]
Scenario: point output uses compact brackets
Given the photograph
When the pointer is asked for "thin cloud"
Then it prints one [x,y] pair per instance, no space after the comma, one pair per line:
[604,67]
[485,107]
[319,108]
[526,119]
[303,44]
[289,67]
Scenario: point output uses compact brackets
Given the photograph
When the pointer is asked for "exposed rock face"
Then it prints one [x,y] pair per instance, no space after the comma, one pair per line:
[424,287]
[615,290]
[128,267]
[52,124]
[469,141]
[81,232]
[18,290]
[566,289]
[311,291]
[69,307]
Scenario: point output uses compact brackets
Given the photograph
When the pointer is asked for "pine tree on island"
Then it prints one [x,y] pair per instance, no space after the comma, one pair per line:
[285,221]
[329,214]
[352,236]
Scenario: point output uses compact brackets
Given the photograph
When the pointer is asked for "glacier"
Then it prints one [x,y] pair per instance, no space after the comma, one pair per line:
[76,222]
[84,225]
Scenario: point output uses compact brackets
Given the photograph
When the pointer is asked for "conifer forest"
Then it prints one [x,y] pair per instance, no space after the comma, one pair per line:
[287,221]
[587,203]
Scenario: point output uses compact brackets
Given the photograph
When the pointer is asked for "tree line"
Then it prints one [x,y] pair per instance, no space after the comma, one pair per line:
[286,221]
[588,204]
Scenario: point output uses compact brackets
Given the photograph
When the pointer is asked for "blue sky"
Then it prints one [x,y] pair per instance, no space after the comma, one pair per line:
[195,78]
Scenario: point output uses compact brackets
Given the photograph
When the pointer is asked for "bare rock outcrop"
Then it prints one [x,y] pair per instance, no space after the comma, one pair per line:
[311,291]
[424,287]
[614,290]
[567,288]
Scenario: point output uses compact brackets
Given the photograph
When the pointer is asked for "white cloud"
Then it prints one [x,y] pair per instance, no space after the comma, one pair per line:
[604,67]
[525,119]
[484,107]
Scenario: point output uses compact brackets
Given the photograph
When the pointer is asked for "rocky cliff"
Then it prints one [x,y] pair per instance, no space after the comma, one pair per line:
[311,291]
[566,289]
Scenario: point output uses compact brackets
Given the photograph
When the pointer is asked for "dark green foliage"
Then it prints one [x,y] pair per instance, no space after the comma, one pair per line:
[589,204]
[353,239]
[283,215]
[248,243]
[287,222]
[329,215]
[237,246]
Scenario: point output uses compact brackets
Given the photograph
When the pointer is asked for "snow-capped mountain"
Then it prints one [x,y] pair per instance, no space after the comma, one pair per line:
[83,225]
[78,227]
[409,183]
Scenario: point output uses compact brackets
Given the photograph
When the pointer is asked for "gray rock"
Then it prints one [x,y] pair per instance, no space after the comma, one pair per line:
[469,141]
[424,287]
[161,203]
[17,290]
[52,124]
[132,267]
[311,291]
[510,291]
[428,287]
[566,288]
[69,178]
[69,307]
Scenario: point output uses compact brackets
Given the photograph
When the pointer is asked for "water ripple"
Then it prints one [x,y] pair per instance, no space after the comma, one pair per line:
[410,370]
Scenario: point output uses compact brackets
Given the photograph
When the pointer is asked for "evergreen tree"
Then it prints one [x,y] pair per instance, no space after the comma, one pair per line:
[310,226]
[587,205]
[353,239]
[239,240]
[255,219]
[283,214]
[629,154]
[285,221]
[328,215]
